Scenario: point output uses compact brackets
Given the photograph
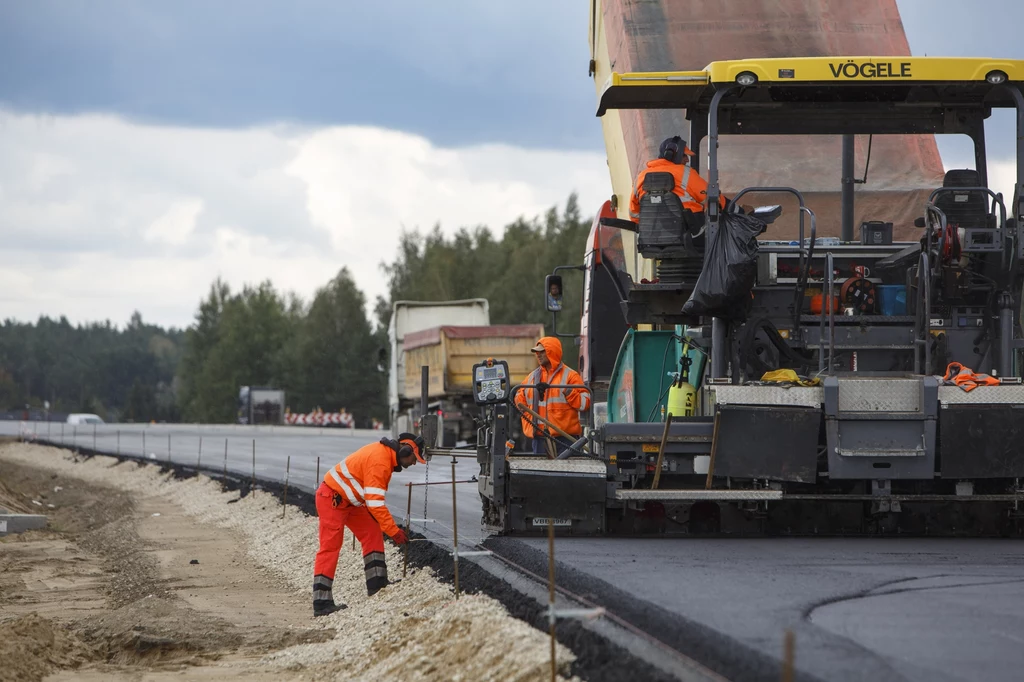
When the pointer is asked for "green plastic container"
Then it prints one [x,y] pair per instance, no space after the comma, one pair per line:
[640,383]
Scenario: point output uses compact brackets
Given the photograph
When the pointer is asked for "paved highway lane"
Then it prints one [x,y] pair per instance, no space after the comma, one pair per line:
[232,447]
[862,609]
[927,610]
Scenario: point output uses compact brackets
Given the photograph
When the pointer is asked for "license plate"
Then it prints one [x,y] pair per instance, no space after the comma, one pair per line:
[555,522]
[650,447]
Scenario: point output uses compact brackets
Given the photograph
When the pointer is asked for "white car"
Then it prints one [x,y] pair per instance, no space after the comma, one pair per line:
[84,418]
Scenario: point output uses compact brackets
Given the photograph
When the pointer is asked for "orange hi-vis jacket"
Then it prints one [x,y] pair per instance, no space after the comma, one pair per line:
[560,406]
[362,478]
[690,187]
[966,378]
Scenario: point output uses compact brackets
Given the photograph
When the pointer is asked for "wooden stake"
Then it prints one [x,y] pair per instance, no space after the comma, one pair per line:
[788,656]
[551,594]
[661,452]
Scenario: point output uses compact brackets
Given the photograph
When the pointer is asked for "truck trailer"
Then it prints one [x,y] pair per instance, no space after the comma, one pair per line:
[409,317]
[450,352]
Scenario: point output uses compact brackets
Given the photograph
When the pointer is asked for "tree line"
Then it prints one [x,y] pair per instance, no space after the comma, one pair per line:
[322,353]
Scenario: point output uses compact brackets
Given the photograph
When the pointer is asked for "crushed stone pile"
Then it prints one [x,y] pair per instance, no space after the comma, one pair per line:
[414,630]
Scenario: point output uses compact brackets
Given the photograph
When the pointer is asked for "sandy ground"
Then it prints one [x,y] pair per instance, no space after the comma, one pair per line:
[140,576]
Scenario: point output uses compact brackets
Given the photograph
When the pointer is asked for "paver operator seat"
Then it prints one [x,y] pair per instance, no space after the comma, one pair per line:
[965,210]
[665,226]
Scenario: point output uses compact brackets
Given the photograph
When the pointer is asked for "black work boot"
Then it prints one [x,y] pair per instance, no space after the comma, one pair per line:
[323,600]
[325,607]
[376,572]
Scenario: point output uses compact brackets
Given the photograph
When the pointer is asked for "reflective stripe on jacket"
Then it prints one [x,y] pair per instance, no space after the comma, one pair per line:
[362,478]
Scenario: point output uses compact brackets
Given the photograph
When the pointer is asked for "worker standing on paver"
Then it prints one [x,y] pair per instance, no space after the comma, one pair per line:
[560,406]
[352,495]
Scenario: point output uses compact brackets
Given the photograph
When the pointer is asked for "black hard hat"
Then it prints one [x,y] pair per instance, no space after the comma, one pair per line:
[674,149]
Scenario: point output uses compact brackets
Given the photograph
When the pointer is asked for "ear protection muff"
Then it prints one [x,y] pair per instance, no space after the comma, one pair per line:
[673,149]
[417,441]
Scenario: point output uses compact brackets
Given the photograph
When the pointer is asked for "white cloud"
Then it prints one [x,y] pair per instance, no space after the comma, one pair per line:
[176,224]
[100,216]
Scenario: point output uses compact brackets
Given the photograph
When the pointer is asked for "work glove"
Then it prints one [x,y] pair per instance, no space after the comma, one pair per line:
[543,388]
[400,537]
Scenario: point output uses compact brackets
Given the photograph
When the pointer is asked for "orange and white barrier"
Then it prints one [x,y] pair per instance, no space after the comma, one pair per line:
[320,418]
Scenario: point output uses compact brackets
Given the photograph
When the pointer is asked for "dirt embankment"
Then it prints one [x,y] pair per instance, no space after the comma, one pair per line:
[141,576]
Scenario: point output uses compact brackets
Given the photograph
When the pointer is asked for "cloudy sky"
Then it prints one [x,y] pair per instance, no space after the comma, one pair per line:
[147,148]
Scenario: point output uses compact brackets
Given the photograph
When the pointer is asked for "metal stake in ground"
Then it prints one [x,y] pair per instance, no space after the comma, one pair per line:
[143,441]
[316,484]
[168,448]
[62,434]
[199,457]
[252,485]
[424,397]
[119,441]
[408,529]
[455,530]
[225,456]
[287,472]
[94,438]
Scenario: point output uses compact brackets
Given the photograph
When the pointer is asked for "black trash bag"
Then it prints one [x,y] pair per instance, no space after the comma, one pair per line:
[730,270]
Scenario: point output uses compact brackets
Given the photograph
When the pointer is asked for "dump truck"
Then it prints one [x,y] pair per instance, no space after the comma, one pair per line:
[450,352]
[855,367]
[409,317]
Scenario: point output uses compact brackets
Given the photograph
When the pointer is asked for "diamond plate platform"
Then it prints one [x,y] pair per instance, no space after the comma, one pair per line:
[880,395]
[686,495]
[796,396]
[541,466]
[983,395]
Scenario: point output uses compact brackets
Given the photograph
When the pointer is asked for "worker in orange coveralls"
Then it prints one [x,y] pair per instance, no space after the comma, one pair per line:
[352,495]
[560,406]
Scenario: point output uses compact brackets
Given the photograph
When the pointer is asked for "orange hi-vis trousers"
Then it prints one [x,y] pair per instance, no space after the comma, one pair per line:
[334,518]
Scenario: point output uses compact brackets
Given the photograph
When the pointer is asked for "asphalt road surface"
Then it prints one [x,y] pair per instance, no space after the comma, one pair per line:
[861,609]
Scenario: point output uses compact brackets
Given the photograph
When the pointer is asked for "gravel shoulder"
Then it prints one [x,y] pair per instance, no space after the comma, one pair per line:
[110,589]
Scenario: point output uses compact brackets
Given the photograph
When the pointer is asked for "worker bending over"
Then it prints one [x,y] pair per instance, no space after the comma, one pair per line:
[560,406]
[690,187]
[352,494]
